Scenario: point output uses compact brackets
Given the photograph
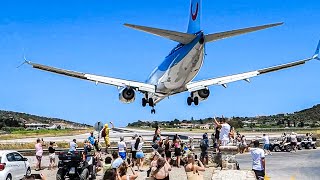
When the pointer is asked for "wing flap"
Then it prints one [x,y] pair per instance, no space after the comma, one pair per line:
[143,87]
[180,37]
[227,34]
[198,85]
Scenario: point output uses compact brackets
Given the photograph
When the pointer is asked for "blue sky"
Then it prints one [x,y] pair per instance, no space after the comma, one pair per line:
[89,36]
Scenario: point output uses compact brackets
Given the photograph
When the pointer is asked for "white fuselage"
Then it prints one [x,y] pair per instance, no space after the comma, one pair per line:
[178,69]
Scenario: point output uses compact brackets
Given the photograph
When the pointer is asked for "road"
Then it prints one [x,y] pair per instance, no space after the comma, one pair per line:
[303,164]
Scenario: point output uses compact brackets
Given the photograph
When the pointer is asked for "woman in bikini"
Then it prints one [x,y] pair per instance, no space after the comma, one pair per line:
[161,172]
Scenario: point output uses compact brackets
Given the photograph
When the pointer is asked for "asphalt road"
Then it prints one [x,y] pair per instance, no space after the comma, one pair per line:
[304,165]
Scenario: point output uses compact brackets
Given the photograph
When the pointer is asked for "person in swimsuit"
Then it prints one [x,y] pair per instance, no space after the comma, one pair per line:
[193,168]
[161,172]
[122,172]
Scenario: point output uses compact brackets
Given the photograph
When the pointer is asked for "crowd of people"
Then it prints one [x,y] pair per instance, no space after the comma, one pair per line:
[166,153]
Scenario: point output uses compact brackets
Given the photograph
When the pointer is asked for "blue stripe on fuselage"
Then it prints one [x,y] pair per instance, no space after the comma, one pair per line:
[176,55]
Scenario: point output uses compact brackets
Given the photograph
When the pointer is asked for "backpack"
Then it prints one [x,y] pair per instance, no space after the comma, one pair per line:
[103,133]
[203,145]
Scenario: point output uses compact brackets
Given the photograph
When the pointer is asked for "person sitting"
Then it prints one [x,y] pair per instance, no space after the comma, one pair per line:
[193,168]
[161,172]
[107,164]
[117,161]
[110,174]
[122,172]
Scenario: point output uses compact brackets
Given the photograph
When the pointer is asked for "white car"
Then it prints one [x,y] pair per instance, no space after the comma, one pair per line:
[13,166]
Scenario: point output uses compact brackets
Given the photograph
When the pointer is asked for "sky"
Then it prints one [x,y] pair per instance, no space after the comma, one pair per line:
[89,36]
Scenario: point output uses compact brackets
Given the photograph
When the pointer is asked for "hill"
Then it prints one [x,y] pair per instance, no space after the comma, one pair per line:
[305,118]
[9,119]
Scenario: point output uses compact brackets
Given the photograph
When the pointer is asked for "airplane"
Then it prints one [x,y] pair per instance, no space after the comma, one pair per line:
[175,74]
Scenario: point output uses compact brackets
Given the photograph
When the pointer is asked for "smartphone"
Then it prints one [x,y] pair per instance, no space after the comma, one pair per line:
[196,157]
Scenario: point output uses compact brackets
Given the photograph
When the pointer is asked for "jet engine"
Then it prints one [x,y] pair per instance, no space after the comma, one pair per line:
[127,95]
[203,93]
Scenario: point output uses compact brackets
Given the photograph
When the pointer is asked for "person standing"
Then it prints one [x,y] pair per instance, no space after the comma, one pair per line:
[258,160]
[73,145]
[177,149]
[122,148]
[133,149]
[294,141]
[224,131]
[105,134]
[39,152]
[157,140]
[52,155]
[139,153]
[204,145]
[167,149]
[266,144]
[91,138]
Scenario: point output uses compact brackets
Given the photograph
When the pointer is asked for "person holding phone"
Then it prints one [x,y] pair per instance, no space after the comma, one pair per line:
[193,168]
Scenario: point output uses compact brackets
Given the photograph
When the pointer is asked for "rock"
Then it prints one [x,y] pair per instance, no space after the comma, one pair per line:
[233,174]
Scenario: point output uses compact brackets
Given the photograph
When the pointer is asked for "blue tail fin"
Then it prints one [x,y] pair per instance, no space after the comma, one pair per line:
[195,15]
[316,54]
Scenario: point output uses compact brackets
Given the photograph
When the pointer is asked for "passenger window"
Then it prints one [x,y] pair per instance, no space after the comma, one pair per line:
[17,157]
[10,157]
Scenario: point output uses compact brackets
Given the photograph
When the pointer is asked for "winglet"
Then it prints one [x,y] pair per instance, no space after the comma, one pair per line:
[316,54]
[24,62]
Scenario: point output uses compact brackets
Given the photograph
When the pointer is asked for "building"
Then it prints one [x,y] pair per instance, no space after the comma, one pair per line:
[36,126]
[186,125]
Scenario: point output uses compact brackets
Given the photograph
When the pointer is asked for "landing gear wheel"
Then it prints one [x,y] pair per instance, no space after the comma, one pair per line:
[196,101]
[144,102]
[151,102]
[189,101]
[153,111]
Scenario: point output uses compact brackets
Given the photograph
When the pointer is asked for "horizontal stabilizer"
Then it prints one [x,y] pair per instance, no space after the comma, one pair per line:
[227,34]
[180,37]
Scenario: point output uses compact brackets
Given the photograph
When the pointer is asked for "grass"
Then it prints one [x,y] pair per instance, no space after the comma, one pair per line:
[43,132]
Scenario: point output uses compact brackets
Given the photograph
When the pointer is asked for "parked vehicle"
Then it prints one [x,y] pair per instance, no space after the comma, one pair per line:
[309,143]
[13,165]
[280,146]
[72,166]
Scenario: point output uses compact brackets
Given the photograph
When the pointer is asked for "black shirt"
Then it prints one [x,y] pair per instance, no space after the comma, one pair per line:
[51,150]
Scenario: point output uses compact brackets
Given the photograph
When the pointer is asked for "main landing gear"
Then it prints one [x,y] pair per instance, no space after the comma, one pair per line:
[192,99]
[149,101]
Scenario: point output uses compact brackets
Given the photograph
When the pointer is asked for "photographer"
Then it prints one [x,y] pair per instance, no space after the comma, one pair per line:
[193,168]
[52,155]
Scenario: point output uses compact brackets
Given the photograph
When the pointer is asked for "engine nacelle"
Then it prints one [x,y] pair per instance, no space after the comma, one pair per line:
[203,93]
[127,95]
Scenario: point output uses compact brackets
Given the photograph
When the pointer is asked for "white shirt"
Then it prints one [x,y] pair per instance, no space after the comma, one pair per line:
[122,146]
[140,146]
[266,139]
[132,143]
[293,138]
[224,132]
[257,154]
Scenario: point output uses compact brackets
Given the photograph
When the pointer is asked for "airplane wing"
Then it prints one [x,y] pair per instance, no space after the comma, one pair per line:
[198,85]
[227,34]
[180,37]
[142,87]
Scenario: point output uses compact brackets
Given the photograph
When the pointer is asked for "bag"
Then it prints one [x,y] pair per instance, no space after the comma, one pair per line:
[203,145]
[103,133]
